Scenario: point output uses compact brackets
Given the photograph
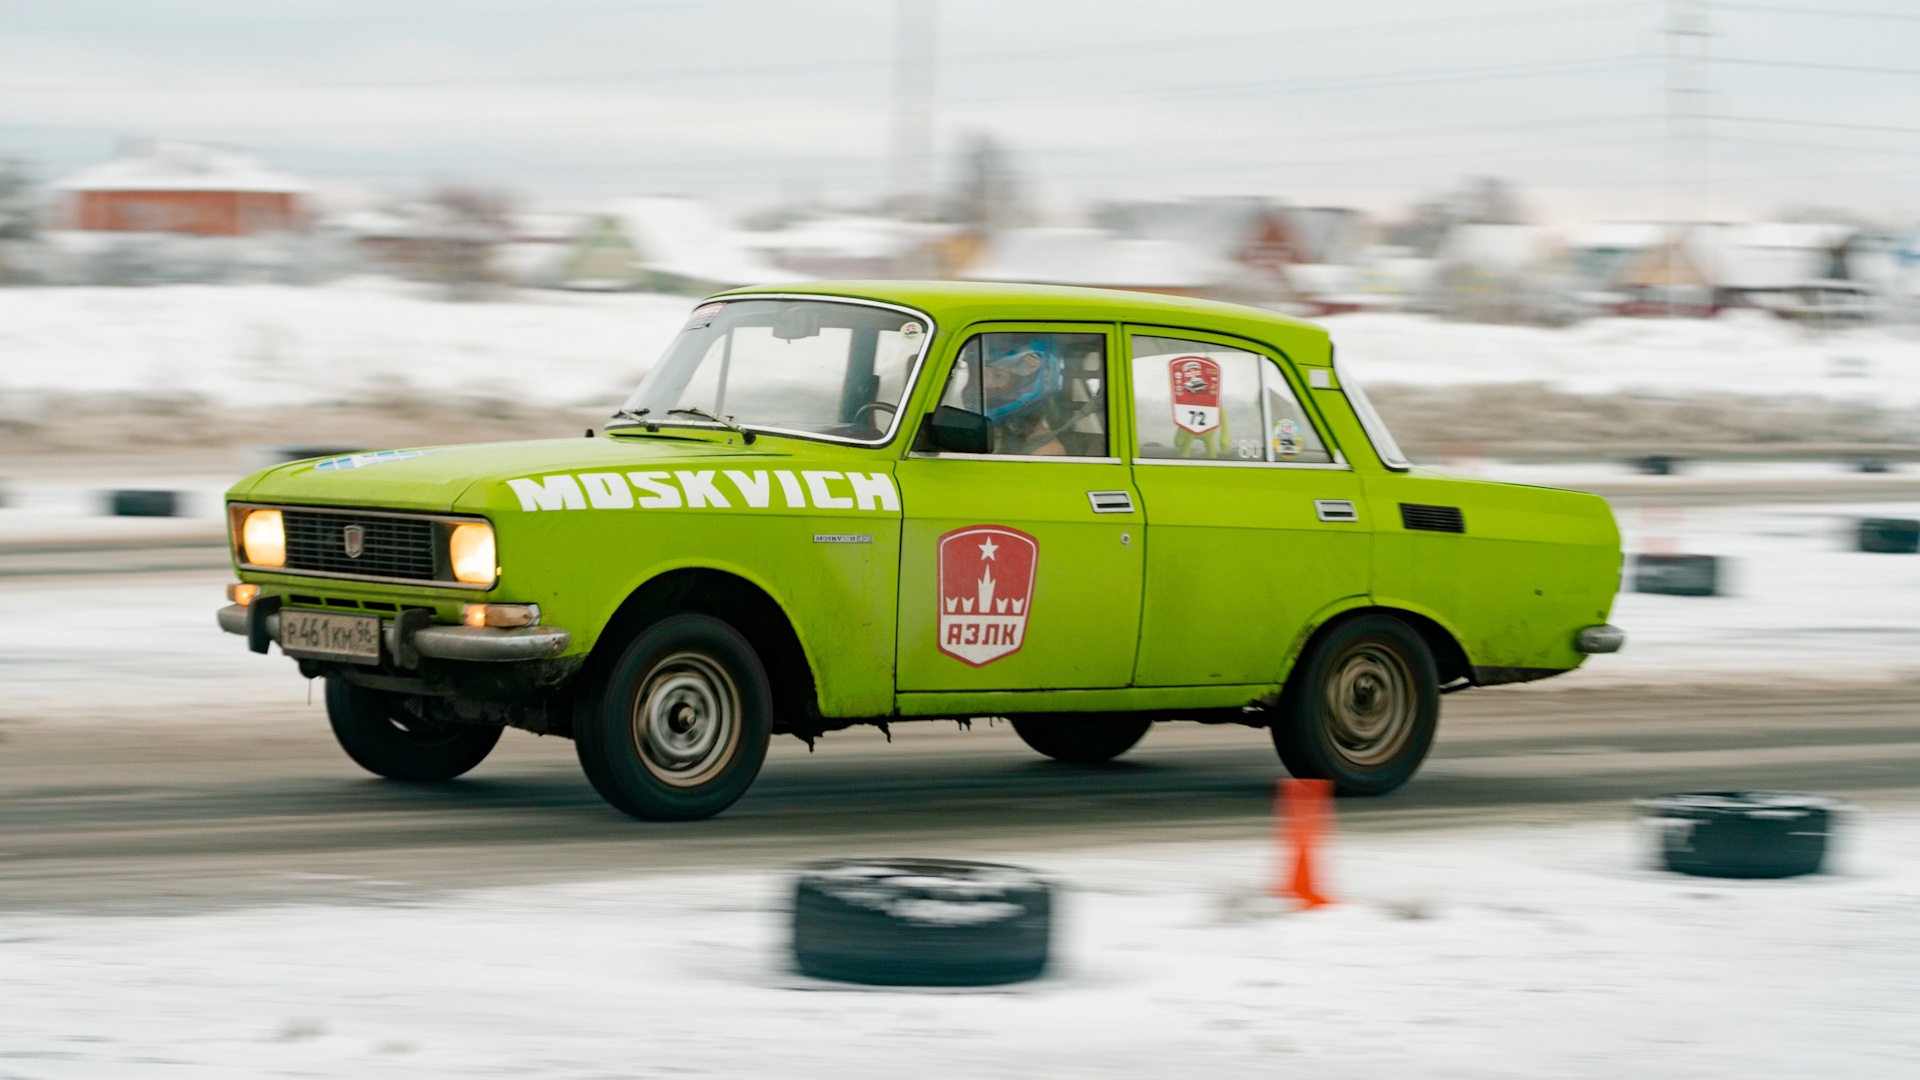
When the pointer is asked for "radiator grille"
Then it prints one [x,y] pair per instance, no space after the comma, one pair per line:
[390,547]
[1432,518]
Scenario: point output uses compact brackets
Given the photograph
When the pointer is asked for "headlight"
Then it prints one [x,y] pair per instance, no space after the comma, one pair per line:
[470,550]
[263,538]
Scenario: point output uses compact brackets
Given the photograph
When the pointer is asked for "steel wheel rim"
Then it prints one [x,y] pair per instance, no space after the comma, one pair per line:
[686,719]
[1369,705]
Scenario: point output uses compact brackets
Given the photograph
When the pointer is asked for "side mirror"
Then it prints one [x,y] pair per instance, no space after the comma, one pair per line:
[958,431]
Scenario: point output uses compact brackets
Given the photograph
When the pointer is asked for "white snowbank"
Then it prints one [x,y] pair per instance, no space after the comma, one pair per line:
[1738,353]
[1549,951]
[266,344]
[256,345]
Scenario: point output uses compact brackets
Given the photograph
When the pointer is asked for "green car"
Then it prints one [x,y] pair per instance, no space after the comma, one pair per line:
[870,502]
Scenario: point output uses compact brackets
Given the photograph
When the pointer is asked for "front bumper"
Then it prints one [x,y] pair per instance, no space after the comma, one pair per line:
[481,643]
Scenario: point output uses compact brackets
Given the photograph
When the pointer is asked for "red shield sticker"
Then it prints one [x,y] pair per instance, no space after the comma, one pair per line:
[986,589]
[1196,393]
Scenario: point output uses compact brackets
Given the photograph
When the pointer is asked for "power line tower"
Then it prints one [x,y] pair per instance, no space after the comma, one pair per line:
[1688,101]
[910,148]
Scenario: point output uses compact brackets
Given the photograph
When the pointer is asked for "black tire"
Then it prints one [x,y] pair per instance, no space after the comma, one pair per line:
[1361,707]
[384,738]
[921,922]
[678,727]
[1742,834]
[1082,738]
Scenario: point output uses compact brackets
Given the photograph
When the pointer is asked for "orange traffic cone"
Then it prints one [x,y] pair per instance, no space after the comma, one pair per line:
[1303,809]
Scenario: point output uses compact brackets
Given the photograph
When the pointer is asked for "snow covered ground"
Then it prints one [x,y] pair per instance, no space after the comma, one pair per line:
[1739,353]
[266,344]
[259,345]
[1514,952]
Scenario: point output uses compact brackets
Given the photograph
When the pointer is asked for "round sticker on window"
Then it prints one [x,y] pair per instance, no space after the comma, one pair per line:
[1286,438]
[910,331]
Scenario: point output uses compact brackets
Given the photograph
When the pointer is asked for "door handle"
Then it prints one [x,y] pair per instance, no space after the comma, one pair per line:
[1335,510]
[1111,502]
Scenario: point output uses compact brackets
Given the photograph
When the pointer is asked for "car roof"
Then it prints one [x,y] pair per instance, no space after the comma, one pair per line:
[956,303]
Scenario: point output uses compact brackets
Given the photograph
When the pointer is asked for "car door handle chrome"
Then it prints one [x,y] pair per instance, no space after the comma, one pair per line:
[1335,510]
[1111,502]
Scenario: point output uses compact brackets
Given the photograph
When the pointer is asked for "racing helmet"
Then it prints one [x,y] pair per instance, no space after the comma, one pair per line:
[1021,376]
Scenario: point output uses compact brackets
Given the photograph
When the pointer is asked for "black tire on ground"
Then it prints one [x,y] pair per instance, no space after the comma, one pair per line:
[1082,738]
[921,922]
[1894,536]
[677,728]
[1677,575]
[1742,834]
[384,738]
[1361,707]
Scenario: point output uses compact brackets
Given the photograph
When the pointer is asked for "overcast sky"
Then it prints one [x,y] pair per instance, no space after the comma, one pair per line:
[1371,104]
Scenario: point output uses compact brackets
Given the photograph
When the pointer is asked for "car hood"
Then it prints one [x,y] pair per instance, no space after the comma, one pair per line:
[435,477]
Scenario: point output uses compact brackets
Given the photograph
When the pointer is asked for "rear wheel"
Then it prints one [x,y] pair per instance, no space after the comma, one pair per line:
[1082,738]
[1362,707]
[383,737]
[678,729]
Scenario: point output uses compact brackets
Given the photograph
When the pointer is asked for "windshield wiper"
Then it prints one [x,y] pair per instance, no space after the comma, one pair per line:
[638,416]
[724,421]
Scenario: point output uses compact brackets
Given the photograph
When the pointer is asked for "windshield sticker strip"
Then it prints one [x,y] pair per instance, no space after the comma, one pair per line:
[361,461]
[660,489]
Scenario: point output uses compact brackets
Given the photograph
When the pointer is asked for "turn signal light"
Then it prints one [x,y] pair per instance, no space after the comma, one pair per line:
[500,614]
[263,538]
[470,549]
[242,593]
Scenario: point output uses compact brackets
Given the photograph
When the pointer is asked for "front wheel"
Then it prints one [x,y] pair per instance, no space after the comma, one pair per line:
[1362,707]
[1082,738]
[678,729]
[385,738]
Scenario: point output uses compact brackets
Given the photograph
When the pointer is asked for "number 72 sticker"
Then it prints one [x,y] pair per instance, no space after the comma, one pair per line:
[1196,393]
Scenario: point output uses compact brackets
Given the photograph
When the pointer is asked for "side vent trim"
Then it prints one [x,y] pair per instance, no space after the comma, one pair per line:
[1447,519]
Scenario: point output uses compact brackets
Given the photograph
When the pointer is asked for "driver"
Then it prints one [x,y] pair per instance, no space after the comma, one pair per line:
[1022,381]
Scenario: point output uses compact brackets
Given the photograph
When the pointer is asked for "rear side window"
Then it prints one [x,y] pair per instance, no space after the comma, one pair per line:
[1199,401]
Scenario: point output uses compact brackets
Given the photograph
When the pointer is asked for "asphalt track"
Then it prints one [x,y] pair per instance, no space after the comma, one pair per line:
[234,806]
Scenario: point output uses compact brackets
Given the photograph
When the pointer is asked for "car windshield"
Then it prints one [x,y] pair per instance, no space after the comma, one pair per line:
[811,367]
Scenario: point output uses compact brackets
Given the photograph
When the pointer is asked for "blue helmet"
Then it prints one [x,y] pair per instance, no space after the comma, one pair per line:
[1038,373]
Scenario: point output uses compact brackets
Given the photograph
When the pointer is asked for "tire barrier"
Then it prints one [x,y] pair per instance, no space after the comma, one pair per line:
[1677,575]
[1656,465]
[921,922]
[1896,536]
[143,503]
[1742,834]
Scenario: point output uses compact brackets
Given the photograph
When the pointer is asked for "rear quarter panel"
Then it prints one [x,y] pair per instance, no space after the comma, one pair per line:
[1533,567]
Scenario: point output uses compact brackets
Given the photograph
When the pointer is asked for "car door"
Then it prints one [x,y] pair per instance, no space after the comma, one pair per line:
[1253,517]
[1020,567]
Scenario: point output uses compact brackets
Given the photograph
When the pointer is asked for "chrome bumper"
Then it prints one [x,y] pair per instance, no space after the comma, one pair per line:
[1604,638]
[483,643]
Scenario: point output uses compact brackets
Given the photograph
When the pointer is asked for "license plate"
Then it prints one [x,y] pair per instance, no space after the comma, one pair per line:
[326,636]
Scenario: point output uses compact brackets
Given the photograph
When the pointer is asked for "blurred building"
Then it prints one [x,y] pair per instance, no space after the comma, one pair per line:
[1100,259]
[843,246]
[170,187]
[662,244]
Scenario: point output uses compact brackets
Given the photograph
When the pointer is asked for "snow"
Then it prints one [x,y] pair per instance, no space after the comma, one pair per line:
[269,344]
[177,166]
[1082,256]
[1740,353]
[258,345]
[682,238]
[1508,952]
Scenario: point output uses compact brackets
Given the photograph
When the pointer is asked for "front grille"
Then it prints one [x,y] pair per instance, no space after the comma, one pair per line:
[1432,518]
[392,547]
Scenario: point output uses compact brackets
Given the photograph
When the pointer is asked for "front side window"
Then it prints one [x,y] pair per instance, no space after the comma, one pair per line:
[813,367]
[1199,401]
[1043,394]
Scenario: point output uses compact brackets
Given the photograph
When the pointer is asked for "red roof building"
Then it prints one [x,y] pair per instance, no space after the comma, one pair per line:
[186,188]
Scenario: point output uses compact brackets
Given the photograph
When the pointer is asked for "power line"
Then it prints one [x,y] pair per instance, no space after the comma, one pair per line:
[1838,125]
[1815,66]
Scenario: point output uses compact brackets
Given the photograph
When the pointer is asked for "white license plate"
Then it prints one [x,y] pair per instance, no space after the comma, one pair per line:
[323,635]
